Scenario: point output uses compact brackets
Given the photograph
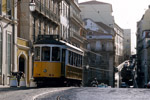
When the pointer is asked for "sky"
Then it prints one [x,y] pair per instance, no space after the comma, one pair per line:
[127,13]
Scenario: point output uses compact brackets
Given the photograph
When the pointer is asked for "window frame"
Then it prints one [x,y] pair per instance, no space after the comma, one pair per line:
[9,56]
[1,51]
[49,54]
[40,53]
[0,8]
[59,53]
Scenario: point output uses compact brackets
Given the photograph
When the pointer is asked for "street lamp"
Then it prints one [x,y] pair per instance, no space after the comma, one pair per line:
[32,6]
[87,67]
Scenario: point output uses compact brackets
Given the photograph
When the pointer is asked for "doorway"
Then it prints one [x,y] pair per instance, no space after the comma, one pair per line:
[22,64]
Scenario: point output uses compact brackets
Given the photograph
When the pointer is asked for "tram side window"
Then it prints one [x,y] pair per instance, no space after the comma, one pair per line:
[74,59]
[55,54]
[45,53]
[69,58]
[81,60]
[37,54]
[78,61]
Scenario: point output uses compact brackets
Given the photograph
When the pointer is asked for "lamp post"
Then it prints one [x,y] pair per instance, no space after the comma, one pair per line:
[85,75]
[145,65]
[32,7]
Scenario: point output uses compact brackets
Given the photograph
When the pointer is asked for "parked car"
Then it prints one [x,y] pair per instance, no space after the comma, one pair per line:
[148,84]
[102,85]
[123,85]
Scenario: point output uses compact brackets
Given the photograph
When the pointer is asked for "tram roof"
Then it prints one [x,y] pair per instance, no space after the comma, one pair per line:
[48,41]
[69,45]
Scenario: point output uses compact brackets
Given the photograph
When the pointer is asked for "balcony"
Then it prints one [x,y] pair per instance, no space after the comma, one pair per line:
[76,36]
[46,12]
[76,18]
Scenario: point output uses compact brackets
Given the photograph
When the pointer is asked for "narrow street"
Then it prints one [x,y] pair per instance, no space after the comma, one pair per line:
[73,93]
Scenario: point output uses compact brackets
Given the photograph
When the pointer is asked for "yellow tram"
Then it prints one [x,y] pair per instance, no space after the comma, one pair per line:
[56,62]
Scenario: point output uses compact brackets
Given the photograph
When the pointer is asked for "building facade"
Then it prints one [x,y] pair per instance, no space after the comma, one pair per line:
[143,48]
[76,25]
[102,12]
[101,42]
[44,20]
[118,45]
[127,44]
[64,19]
[8,39]
[98,12]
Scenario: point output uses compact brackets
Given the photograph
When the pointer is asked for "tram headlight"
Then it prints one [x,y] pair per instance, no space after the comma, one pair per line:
[44,70]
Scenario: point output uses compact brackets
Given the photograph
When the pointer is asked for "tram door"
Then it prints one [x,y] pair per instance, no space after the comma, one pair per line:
[63,62]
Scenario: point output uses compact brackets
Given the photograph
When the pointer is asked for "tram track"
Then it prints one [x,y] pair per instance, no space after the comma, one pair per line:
[58,98]
[49,92]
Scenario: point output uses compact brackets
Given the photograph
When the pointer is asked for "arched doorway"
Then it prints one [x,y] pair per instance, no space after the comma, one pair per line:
[22,64]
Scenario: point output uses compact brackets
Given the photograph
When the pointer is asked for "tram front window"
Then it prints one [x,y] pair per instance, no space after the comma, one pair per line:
[45,53]
[37,54]
[55,54]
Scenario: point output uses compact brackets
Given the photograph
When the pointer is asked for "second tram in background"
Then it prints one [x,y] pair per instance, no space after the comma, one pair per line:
[56,62]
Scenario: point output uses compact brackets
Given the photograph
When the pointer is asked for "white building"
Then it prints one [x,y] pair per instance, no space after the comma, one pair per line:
[64,19]
[8,40]
[98,12]
[118,45]
[101,41]
[76,25]
[102,13]
[127,43]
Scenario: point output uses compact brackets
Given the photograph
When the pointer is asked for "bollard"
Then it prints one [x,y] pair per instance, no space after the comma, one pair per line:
[32,83]
[22,82]
[13,81]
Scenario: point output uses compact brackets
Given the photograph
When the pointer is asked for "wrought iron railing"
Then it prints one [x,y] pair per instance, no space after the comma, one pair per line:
[76,35]
[46,11]
[76,17]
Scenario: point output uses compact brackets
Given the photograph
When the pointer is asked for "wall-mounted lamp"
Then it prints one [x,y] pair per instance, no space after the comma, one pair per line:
[32,6]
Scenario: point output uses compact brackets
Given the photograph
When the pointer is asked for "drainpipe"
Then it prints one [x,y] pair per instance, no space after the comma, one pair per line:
[13,34]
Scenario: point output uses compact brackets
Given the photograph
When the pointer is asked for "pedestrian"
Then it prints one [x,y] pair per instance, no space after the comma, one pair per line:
[19,75]
[94,83]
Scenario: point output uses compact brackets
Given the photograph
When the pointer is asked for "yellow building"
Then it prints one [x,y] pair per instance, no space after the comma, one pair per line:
[23,58]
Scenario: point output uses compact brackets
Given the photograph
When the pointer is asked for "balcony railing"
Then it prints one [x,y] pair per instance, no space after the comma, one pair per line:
[76,35]
[73,15]
[46,11]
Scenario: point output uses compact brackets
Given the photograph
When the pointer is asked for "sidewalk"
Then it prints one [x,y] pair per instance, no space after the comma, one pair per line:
[4,86]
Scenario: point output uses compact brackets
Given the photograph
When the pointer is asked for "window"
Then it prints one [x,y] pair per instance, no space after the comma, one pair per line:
[45,53]
[44,28]
[63,9]
[0,7]
[69,58]
[33,29]
[48,29]
[81,61]
[37,54]
[9,8]
[66,11]
[9,53]
[52,5]
[56,54]
[0,51]
[74,59]
[39,27]
[48,4]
